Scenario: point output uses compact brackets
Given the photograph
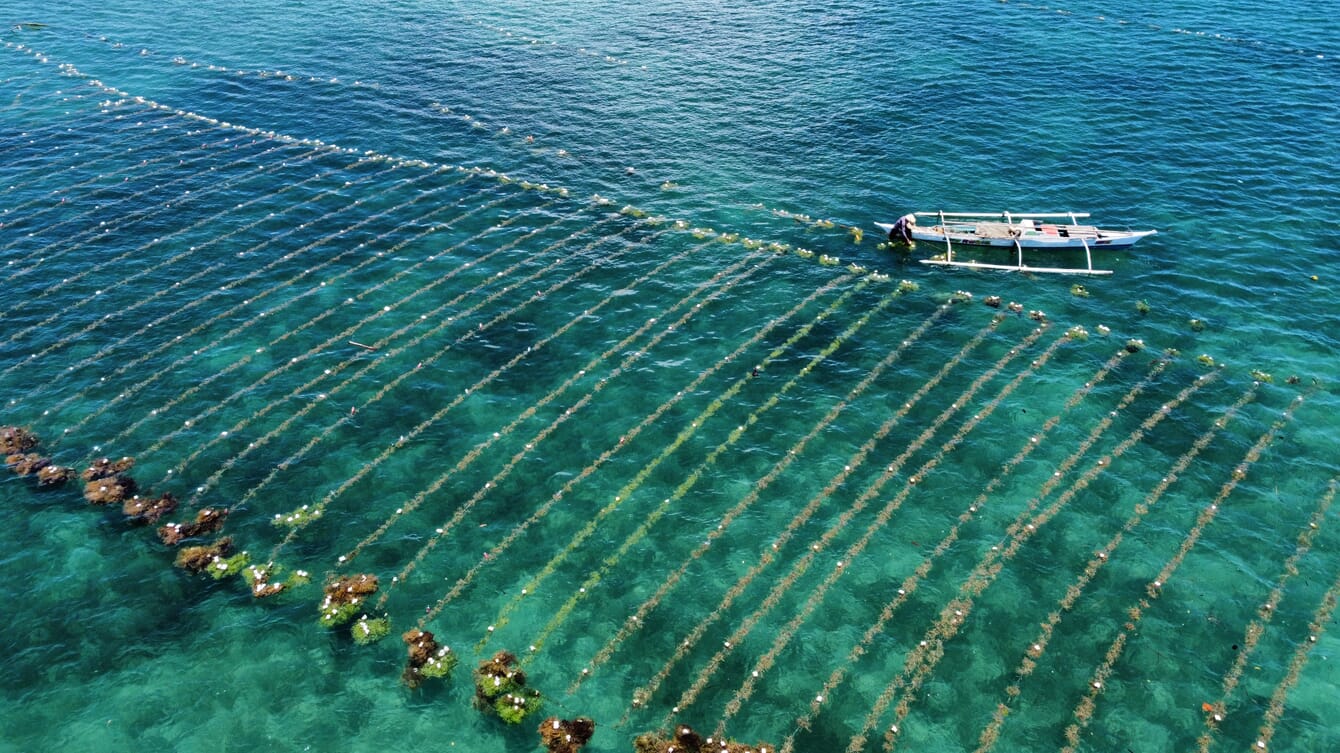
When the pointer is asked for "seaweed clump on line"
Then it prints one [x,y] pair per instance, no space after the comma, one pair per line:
[107,482]
[258,578]
[207,520]
[148,510]
[194,559]
[263,580]
[368,630]
[566,735]
[217,559]
[26,464]
[16,440]
[105,468]
[343,598]
[685,740]
[109,491]
[16,445]
[500,686]
[54,475]
[427,658]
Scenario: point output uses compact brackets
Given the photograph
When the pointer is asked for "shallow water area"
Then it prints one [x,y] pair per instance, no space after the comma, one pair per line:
[573,329]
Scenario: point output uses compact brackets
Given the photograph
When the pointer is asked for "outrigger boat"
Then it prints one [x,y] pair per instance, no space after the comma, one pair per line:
[1009,230]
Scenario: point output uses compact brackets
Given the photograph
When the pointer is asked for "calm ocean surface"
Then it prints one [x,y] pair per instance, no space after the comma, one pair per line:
[571,321]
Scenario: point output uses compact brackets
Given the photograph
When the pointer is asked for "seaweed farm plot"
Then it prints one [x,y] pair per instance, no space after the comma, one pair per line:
[649,476]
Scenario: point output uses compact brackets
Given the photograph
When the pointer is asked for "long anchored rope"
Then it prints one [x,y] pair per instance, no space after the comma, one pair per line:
[718,289]
[853,551]
[683,436]
[910,584]
[519,530]
[792,628]
[1037,647]
[1218,711]
[1083,712]
[921,661]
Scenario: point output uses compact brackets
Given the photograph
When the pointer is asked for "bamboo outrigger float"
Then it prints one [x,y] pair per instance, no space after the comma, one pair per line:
[1019,231]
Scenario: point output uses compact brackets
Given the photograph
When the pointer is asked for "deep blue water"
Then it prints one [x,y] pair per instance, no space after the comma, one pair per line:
[561,315]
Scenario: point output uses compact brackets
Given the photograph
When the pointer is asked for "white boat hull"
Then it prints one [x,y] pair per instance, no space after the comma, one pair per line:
[1100,239]
[957,231]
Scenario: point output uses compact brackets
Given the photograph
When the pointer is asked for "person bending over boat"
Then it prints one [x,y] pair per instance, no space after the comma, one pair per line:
[902,229]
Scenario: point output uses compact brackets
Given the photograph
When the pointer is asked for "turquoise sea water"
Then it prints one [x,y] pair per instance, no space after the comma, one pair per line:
[558,315]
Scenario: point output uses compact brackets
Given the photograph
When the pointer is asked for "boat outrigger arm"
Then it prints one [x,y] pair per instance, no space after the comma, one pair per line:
[1018,231]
